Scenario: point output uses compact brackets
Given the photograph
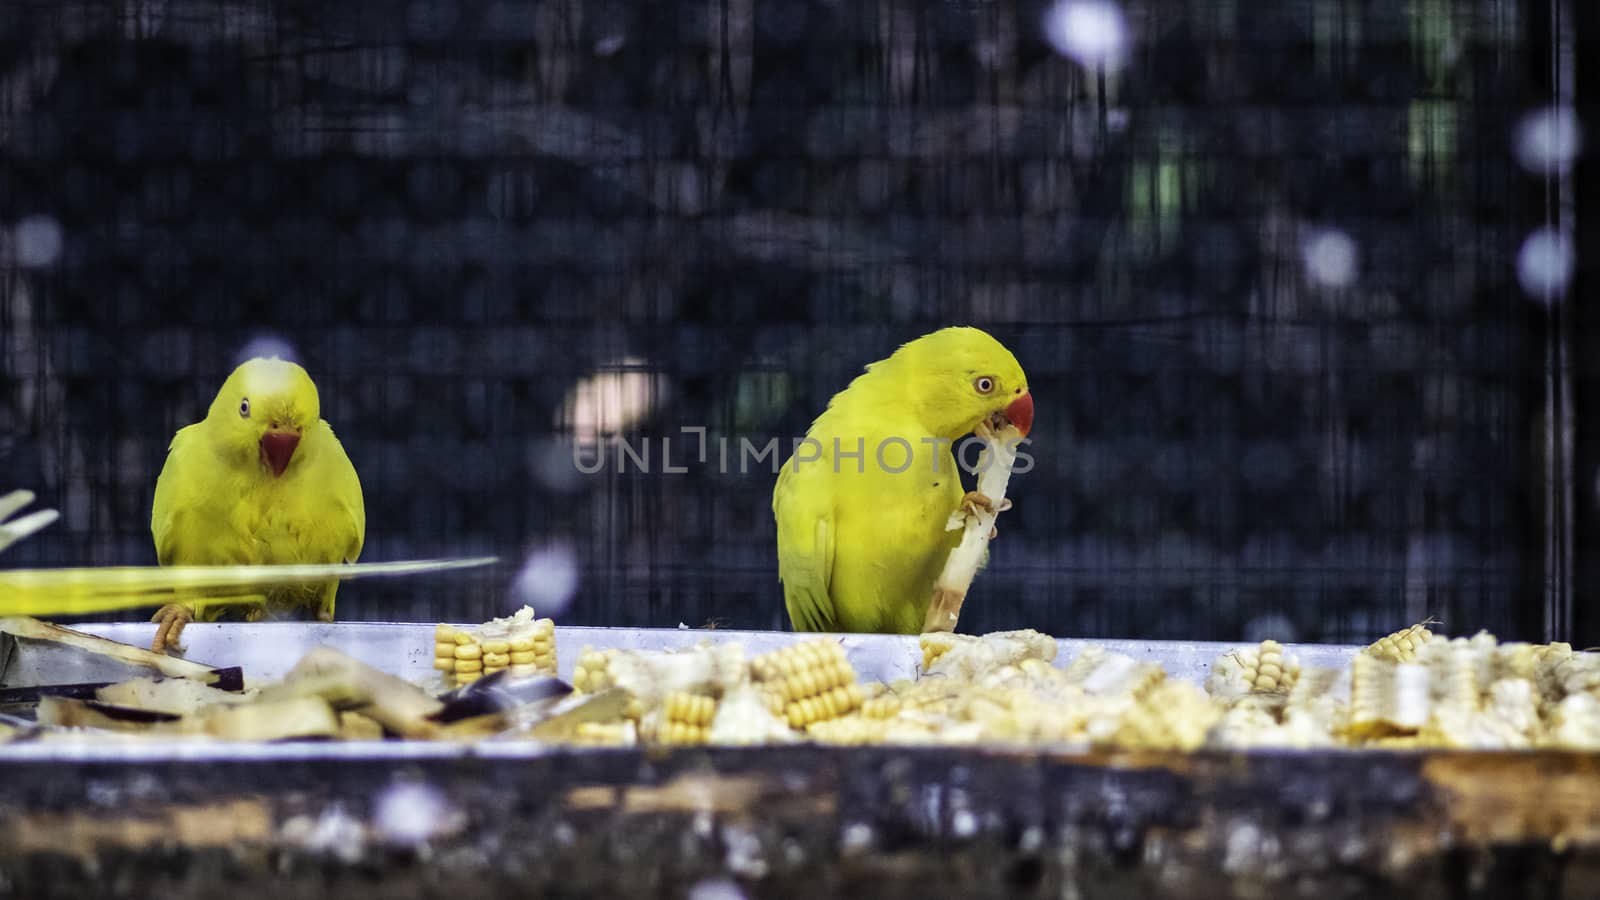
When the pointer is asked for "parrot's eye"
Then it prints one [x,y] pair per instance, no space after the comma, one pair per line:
[984,385]
[244,408]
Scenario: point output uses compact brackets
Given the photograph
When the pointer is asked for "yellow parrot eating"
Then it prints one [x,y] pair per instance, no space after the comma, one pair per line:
[261,480]
[862,504]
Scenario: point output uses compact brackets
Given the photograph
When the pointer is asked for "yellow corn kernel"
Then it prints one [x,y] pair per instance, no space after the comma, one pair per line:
[592,673]
[607,734]
[444,649]
[445,664]
[469,665]
[690,709]
[444,632]
[469,651]
[522,643]
[497,660]
[884,707]
[500,647]
[934,646]
[465,678]
[682,733]
[463,639]
[524,659]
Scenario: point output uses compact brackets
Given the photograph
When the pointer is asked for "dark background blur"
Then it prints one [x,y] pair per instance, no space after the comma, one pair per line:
[1264,279]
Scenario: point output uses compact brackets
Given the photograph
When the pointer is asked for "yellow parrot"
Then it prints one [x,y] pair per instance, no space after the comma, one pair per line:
[861,539]
[260,480]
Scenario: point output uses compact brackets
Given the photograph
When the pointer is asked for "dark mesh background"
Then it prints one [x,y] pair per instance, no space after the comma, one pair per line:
[455,211]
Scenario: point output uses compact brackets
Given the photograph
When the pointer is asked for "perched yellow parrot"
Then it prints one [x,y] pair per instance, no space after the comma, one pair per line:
[861,538]
[260,480]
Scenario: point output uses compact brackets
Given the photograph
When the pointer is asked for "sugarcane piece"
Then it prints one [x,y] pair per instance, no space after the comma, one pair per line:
[305,717]
[950,589]
[33,629]
[562,721]
[178,696]
[353,726]
[399,706]
[64,712]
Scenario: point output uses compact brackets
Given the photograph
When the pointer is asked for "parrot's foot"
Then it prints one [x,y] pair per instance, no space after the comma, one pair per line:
[172,618]
[974,501]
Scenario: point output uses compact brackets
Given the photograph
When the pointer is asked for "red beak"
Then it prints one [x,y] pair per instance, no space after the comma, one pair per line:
[1020,413]
[276,449]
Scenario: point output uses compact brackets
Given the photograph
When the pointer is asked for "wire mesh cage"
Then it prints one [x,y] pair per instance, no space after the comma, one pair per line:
[1260,262]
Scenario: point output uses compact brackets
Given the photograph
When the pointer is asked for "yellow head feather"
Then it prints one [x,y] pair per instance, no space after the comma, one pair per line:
[264,396]
[952,379]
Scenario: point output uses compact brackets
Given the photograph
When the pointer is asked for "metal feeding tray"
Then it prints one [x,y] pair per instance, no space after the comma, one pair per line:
[424,819]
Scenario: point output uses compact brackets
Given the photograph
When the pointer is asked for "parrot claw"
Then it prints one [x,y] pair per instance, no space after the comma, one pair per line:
[173,618]
[975,501]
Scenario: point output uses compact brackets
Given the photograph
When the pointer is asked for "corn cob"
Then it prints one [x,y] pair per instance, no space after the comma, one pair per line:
[1574,724]
[1251,721]
[813,680]
[1515,702]
[519,643]
[1264,669]
[606,734]
[743,718]
[1402,645]
[592,674]
[1174,715]
[849,730]
[885,706]
[1579,674]
[651,676]
[1518,660]
[1101,673]
[1453,674]
[1386,698]
[686,718]
[967,657]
